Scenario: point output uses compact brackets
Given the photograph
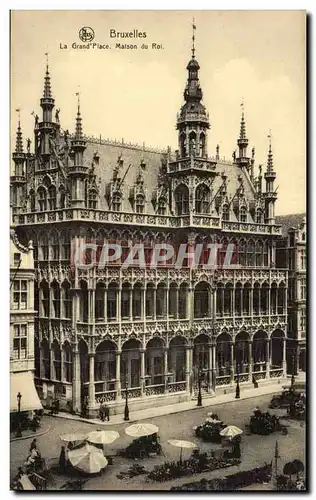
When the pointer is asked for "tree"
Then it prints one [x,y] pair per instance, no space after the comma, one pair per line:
[289,469]
[298,467]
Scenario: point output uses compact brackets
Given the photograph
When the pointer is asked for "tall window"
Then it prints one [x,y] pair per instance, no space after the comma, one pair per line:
[243,215]
[42,199]
[303,289]
[125,301]
[20,342]
[139,204]
[161,206]
[202,199]
[137,300]
[259,254]
[303,259]
[65,247]
[44,247]
[45,298]
[111,303]
[92,199]
[182,200]
[32,200]
[56,361]
[67,360]
[52,198]
[55,246]
[225,215]
[66,300]
[56,299]
[116,202]
[303,320]
[259,216]
[62,197]
[19,294]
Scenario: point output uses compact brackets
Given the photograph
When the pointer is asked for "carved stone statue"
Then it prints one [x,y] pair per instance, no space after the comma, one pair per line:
[36,120]
[57,115]
[28,145]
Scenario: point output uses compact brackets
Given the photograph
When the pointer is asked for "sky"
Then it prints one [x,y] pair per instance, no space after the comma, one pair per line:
[254,56]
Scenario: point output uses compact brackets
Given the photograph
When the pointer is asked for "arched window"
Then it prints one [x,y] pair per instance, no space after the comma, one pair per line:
[45,360]
[42,199]
[92,198]
[259,254]
[65,246]
[182,146]
[62,197]
[259,216]
[192,143]
[55,246]
[56,299]
[52,198]
[66,300]
[44,255]
[202,199]
[243,214]
[139,204]
[202,144]
[32,200]
[116,202]
[182,200]
[44,294]
[225,212]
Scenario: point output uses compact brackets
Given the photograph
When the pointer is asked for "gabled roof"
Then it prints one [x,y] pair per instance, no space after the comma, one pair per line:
[289,221]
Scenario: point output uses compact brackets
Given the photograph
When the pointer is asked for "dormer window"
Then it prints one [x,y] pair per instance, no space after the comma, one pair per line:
[225,215]
[116,202]
[243,215]
[139,204]
[92,199]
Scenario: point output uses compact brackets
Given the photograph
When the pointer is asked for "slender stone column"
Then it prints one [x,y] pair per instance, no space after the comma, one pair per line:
[76,385]
[165,353]
[155,304]
[214,366]
[91,380]
[297,360]
[118,375]
[105,312]
[142,371]
[284,357]
[210,366]
[143,304]
[131,304]
[118,304]
[232,371]
[233,301]
[251,303]
[177,304]
[268,349]
[250,360]
[187,368]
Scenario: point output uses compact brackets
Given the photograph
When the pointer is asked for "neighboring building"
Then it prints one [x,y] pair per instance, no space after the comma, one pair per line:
[22,326]
[291,253]
[150,330]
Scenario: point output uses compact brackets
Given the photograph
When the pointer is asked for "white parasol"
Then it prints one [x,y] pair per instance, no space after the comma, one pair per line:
[75,438]
[140,430]
[231,431]
[88,459]
[102,437]
[179,443]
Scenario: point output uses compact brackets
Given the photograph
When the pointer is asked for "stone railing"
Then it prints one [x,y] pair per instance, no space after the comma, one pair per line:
[259,375]
[134,392]
[88,214]
[243,377]
[105,397]
[276,372]
[176,387]
[153,390]
[223,380]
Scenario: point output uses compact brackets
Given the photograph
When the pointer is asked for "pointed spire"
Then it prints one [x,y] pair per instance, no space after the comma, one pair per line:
[242,134]
[270,156]
[193,38]
[47,87]
[78,133]
[19,139]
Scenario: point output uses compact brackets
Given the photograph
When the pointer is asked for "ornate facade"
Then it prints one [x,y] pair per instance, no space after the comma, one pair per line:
[150,331]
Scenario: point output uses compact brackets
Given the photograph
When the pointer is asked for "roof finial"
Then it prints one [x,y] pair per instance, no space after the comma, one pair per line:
[242,134]
[19,140]
[193,38]
[47,89]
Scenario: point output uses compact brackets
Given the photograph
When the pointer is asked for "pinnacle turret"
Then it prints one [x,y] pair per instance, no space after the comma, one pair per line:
[47,85]
[47,101]
[270,158]
[19,139]
[78,133]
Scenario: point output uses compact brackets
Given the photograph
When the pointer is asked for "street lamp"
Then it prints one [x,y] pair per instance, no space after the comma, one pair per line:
[237,395]
[18,430]
[126,409]
[199,398]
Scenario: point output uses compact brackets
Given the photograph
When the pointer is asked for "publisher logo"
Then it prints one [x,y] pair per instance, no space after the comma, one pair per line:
[86,34]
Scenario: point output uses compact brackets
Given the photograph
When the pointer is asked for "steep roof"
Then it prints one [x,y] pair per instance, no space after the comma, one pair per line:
[289,221]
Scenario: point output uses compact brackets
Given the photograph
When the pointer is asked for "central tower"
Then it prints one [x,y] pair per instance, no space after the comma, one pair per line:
[193,120]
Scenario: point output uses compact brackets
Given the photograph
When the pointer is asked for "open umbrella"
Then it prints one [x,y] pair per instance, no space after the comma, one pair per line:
[231,431]
[140,430]
[179,443]
[75,438]
[102,437]
[88,459]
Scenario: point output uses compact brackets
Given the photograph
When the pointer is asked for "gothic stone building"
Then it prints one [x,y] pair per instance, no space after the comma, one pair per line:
[151,332]
[291,253]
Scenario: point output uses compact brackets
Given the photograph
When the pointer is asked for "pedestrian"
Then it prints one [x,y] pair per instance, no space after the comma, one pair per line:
[33,445]
[62,460]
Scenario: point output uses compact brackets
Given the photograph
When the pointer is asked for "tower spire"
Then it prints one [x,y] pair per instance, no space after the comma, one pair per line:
[242,134]
[19,139]
[242,141]
[270,155]
[47,86]
[47,101]
[193,38]
[78,134]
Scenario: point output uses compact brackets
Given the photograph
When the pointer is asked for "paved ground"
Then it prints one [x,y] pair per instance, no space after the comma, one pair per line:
[255,449]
